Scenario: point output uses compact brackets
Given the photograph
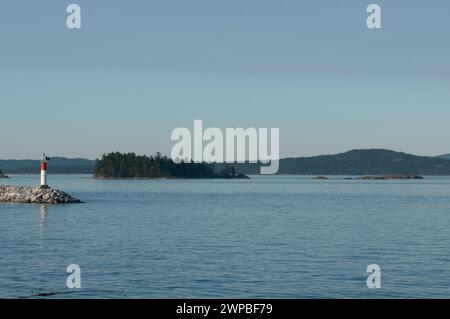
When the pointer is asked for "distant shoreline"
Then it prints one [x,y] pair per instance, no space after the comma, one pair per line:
[352,163]
[313,177]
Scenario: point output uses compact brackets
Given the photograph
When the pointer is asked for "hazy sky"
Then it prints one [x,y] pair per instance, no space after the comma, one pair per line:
[138,69]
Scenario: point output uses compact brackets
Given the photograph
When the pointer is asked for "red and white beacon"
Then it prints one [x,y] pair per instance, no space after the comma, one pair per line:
[44,162]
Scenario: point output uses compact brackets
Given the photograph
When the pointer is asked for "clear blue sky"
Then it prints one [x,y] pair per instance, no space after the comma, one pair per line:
[138,69]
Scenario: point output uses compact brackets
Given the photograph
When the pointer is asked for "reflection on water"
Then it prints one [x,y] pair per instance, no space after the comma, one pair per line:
[43,209]
[42,253]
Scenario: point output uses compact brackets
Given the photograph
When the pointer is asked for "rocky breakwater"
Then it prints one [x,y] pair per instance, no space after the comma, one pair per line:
[21,194]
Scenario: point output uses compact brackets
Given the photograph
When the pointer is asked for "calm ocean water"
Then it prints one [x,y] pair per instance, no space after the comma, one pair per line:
[267,237]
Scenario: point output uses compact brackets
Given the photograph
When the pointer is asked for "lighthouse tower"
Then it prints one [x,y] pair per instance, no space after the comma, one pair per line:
[44,162]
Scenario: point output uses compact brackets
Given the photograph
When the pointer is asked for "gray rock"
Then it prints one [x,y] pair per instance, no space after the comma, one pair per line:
[20,194]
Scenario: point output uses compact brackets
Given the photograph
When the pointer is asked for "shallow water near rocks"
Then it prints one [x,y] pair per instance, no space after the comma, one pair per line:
[267,237]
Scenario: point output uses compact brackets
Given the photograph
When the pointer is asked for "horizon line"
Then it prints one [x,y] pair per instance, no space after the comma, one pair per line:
[288,157]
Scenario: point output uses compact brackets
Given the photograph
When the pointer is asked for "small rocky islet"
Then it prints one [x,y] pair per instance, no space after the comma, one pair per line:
[376,177]
[39,195]
[386,177]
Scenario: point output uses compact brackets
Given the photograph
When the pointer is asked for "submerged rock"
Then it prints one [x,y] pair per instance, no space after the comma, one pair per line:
[320,177]
[22,194]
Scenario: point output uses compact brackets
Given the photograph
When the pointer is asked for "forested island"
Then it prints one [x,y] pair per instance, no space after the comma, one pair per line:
[130,165]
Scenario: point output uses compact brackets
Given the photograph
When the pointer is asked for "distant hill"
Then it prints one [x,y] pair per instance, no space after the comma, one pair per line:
[446,156]
[358,162]
[57,165]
